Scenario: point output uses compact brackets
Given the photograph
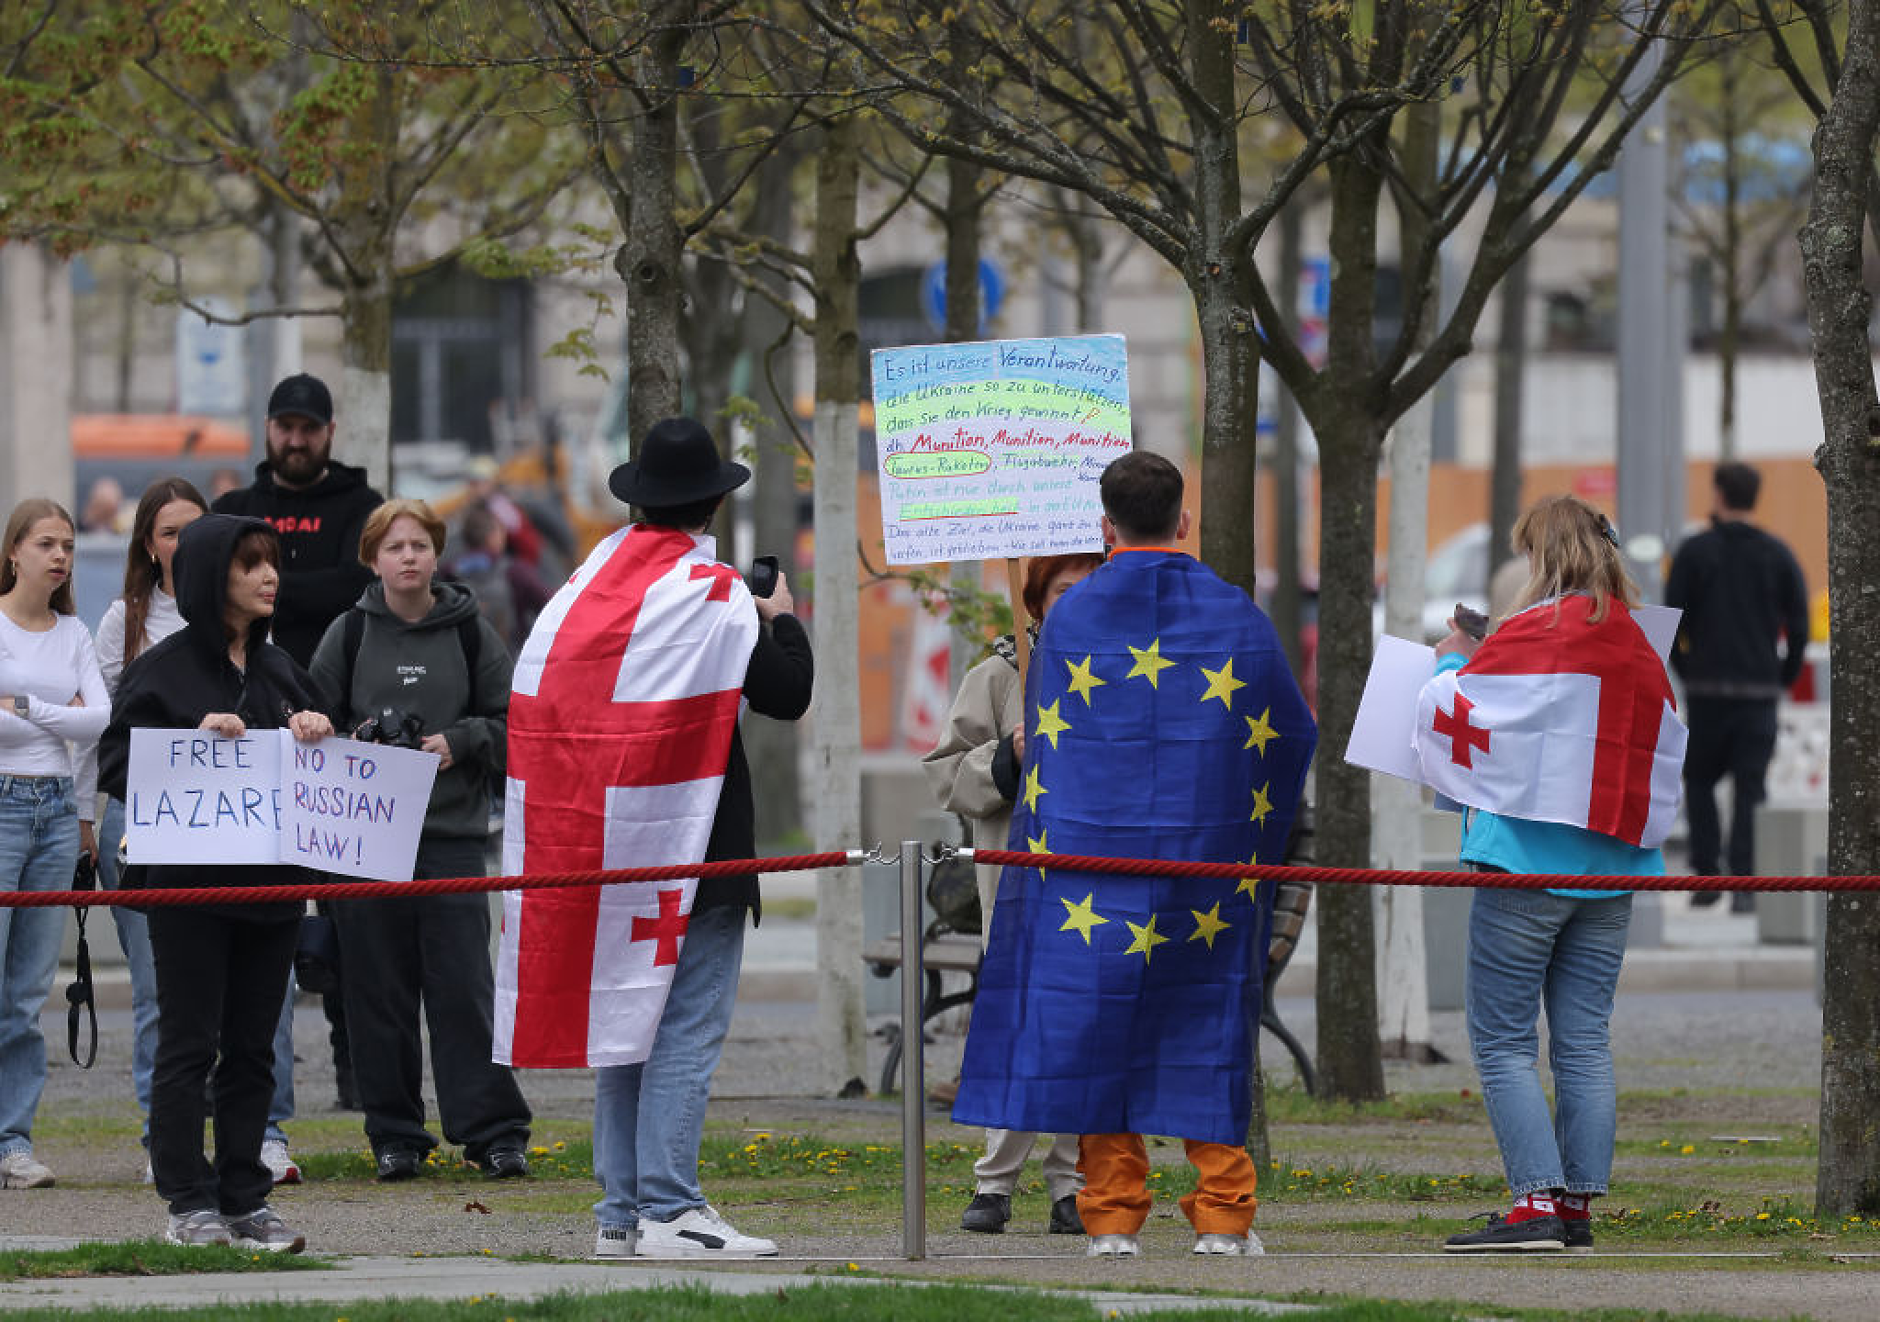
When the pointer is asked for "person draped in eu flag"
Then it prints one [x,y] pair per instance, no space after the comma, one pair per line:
[1161,722]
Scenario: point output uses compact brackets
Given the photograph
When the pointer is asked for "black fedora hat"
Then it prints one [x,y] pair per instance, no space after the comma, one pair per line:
[678,465]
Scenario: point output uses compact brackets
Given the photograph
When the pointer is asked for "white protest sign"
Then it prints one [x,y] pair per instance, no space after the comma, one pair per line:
[993,449]
[195,797]
[338,805]
[354,808]
[1387,711]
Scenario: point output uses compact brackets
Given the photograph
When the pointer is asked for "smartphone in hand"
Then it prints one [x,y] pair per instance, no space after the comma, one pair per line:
[1471,622]
[763,576]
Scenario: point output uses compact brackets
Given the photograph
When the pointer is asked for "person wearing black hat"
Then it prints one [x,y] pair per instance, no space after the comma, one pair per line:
[319,508]
[632,678]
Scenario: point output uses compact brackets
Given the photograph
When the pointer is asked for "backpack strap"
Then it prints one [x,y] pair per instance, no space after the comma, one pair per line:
[352,638]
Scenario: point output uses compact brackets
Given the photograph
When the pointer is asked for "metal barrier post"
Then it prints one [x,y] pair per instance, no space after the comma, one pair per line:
[913,1069]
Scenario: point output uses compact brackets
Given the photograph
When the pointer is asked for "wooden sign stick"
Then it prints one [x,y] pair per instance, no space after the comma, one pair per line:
[1021,636]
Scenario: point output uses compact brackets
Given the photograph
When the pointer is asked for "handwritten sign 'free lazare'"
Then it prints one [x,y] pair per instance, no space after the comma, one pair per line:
[337,805]
[994,449]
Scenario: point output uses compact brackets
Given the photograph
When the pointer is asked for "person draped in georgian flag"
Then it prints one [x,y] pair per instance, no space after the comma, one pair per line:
[624,752]
[1560,735]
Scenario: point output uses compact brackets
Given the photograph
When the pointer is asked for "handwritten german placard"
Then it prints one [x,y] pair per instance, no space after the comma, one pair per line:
[993,449]
[337,805]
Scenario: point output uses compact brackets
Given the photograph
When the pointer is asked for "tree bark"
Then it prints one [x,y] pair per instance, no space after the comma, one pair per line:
[1504,492]
[836,723]
[1350,439]
[1287,599]
[648,259]
[1840,310]
[963,209]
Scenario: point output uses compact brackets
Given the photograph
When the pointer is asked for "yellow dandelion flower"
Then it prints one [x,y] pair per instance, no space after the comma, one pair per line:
[1686,1150]
[1762,1216]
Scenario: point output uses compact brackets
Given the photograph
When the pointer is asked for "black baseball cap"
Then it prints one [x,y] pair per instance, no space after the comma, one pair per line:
[302,396]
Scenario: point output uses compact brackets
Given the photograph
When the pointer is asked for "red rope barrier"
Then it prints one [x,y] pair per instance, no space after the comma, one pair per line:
[1385,877]
[371,890]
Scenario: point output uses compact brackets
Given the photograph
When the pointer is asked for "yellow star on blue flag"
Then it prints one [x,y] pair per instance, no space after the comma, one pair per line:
[1149,663]
[1081,917]
[1221,684]
[1050,724]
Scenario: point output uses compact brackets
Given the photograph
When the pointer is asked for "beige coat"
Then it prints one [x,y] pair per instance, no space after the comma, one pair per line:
[987,708]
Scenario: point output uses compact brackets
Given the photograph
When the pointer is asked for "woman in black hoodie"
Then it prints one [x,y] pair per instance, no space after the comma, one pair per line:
[221,969]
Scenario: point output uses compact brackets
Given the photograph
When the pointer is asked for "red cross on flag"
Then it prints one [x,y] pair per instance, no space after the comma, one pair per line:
[1558,719]
[625,699]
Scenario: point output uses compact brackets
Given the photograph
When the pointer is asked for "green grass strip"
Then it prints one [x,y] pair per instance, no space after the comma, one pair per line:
[145,1257]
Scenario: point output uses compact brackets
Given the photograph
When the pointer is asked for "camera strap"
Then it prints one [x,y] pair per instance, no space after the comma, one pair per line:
[78,995]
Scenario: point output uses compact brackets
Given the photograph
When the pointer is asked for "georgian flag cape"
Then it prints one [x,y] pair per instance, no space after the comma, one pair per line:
[625,700]
[1559,719]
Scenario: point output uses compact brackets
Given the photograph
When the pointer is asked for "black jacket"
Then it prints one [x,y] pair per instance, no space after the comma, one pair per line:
[1741,592]
[174,684]
[777,685]
[320,571]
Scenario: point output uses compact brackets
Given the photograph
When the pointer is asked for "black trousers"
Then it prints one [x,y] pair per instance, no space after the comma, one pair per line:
[1732,737]
[219,981]
[434,949]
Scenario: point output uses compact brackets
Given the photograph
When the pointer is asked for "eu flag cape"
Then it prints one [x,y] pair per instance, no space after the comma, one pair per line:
[1161,721]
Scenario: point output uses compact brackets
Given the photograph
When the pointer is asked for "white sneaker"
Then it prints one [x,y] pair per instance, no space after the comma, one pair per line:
[615,1241]
[22,1170]
[280,1165]
[1234,1246]
[700,1233]
[1114,1246]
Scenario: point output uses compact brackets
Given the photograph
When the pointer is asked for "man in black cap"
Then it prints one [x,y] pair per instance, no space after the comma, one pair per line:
[319,508]
[624,751]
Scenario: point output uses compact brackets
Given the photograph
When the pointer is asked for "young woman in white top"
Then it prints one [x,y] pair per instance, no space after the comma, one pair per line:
[145,615]
[50,692]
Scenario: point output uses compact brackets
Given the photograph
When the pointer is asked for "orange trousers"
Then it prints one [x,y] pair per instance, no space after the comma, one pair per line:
[1115,1197]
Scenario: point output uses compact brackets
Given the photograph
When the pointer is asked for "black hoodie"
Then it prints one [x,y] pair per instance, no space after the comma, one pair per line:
[183,678]
[319,527]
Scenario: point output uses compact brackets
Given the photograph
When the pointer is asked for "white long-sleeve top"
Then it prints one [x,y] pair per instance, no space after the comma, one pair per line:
[51,669]
[162,620]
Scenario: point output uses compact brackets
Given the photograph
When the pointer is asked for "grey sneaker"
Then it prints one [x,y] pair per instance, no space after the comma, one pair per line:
[616,1241]
[22,1170]
[264,1229]
[198,1227]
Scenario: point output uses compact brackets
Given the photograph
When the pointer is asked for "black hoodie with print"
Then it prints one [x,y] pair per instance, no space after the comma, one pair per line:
[183,678]
[319,528]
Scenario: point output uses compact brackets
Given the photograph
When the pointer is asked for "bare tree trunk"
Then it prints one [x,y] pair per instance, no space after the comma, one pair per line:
[363,411]
[1504,491]
[1287,602]
[648,260]
[1351,1066]
[1840,309]
[772,746]
[836,723]
[962,324]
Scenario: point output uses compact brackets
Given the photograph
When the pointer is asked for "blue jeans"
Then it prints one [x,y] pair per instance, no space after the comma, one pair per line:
[281,1105]
[38,852]
[133,931]
[649,1118]
[1529,948]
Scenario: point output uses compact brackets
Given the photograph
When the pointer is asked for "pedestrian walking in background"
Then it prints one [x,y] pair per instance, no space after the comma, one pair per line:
[145,615]
[1740,646]
[318,506]
[219,967]
[1559,733]
[413,663]
[50,693]
[974,771]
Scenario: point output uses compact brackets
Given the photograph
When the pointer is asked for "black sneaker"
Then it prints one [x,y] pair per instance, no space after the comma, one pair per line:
[1540,1234]
[987,1213]
[1578,1236]
[1064,1218]
[504,1163]
[397,1164]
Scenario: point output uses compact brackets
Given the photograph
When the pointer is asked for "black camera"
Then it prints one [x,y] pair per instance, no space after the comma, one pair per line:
[392,726]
